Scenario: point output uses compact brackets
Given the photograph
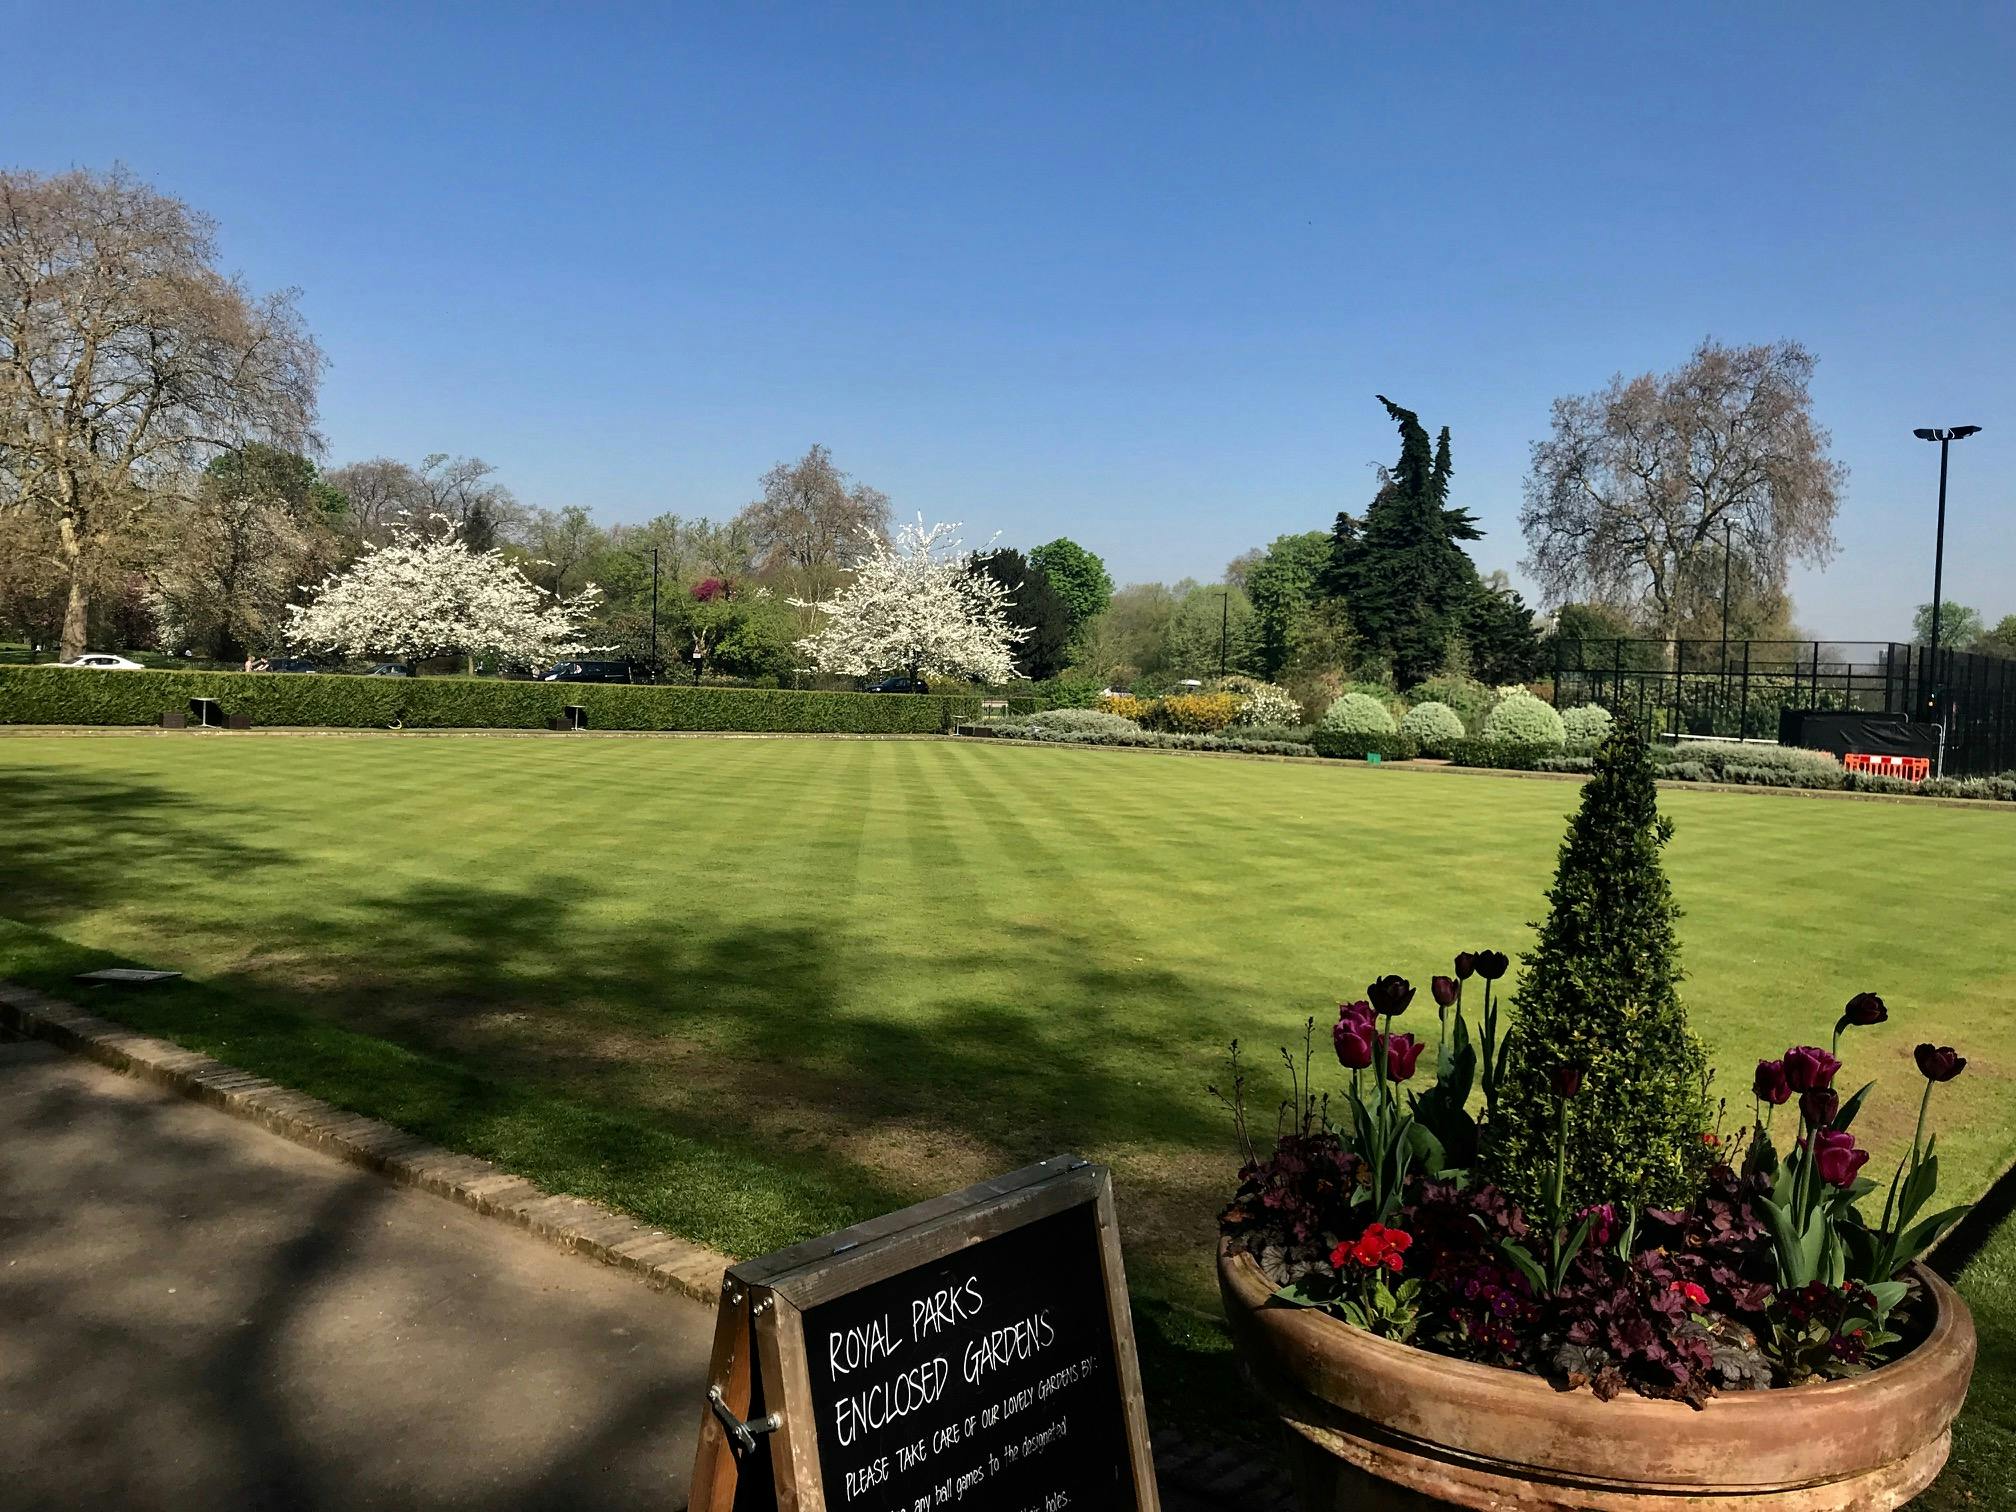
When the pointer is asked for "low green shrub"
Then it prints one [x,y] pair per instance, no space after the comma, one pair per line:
[1506,755]
[1387,745]
[61,695]
[1068,691]
[1586,726]
[1290,734]
[1091,721]
[1160,740]
[1816,768]
[1521,719]
[1434,726]
[1358,714]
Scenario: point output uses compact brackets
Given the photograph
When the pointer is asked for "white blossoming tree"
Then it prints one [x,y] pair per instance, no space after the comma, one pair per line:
[915,607]
[419,596]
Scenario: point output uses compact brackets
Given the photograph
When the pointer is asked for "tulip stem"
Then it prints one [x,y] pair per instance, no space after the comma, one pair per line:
[1918,1133]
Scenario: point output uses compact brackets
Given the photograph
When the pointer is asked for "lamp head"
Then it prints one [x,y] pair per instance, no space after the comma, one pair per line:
[1946,433]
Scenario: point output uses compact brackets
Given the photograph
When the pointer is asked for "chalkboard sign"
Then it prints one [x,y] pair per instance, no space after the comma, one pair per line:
[973,1352]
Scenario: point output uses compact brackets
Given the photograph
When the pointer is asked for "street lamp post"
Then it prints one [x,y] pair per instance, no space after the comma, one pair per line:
[1728,547]
[655,663]
[1945,436]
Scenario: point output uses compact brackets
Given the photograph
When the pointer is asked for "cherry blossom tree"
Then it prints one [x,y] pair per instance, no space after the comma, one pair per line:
[913,606]
[420,596]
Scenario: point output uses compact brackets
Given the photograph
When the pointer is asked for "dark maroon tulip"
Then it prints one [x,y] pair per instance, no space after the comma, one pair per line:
[1939,1062]
[1865,1008]
[1444,989]
[1809,1068]
[1566,1079]
[1390,995]
[1819,1106]
[1492,964]
[1770,1084]
[1836,1158]
[1353,1038]
[1402,1051]
[1466,965]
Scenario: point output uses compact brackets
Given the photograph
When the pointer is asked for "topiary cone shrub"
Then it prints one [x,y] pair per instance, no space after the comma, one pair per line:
[1601,990]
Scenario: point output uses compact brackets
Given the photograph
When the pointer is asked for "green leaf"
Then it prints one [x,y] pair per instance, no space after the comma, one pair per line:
[1851,1107]
[1920,1237]
[1528,1266]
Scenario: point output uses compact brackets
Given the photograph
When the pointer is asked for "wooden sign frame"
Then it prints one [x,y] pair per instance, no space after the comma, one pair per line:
[759,1374]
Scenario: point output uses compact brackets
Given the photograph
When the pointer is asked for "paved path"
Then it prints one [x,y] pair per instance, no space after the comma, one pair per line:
[197,1314]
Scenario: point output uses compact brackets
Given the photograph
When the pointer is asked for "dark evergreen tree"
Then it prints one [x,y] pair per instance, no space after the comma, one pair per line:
[1407,583]
[1037,605]
[1601,990]
[1502,643]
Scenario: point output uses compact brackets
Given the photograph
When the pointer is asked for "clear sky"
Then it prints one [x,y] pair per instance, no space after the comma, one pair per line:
[1127,274]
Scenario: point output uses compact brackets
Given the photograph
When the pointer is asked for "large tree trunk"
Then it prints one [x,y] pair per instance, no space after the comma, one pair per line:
[76,613]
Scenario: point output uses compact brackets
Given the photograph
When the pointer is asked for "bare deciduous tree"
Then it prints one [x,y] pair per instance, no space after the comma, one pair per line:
[382,494]
[126,360]
[810,525]
[1629,498]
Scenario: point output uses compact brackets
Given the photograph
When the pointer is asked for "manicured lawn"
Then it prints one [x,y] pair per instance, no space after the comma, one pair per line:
[752,989]
[1982,1471]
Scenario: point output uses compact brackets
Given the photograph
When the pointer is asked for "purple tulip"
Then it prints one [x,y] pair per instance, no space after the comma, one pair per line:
[1390,995]
[1492,964]
[1402,1051]
[1818,1107]
[1865,1008]
[1836,1158]
[1444,989]
[1770,1085]
[1466,965]
[1566,1080]
[1353,1039]
[1808,1068]
[1939,1062]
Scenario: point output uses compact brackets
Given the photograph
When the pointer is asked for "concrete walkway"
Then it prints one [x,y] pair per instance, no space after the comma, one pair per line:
[197,1314]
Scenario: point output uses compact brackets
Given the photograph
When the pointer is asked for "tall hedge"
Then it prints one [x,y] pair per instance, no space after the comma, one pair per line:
[63,695]
[1601,990]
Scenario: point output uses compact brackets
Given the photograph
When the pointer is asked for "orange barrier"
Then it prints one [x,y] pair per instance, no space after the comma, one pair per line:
[1910,768]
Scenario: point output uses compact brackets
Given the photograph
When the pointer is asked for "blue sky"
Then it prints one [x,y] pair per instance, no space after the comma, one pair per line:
[1128,274]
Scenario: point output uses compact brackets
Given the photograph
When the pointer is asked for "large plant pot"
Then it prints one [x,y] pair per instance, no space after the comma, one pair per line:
[1375,1426]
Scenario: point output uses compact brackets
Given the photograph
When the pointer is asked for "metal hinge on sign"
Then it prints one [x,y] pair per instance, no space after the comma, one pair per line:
[741,1435]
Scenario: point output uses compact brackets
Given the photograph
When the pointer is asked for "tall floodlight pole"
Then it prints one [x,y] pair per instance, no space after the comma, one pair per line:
[1728,546]
[1945,436]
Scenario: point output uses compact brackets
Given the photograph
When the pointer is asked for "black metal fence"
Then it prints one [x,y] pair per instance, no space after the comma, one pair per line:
[1735,689]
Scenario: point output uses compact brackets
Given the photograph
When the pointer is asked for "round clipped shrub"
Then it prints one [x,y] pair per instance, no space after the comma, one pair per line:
[1522,719]
[1586,725]
[1435,726]
[1358,714]
[1083,721]
[1470,698]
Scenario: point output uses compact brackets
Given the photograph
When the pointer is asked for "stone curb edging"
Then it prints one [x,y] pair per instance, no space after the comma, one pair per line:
[572,1223]
[575,1224]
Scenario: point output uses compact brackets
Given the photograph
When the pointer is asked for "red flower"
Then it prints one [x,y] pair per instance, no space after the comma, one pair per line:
[1690,1292]
[1770,1084]
[1390,995]
[1565,1080]
[1865,1008]
[1836,1157]
[1818,1108]
[1491,964]
[1377,1246]
[1402,1051]
[1938,1062]
[1808,1068]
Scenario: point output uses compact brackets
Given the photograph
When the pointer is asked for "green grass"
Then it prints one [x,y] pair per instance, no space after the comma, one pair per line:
[1982,1472]
[755,989]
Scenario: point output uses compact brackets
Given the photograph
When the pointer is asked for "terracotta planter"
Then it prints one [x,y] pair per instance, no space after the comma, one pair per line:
[1376,1426]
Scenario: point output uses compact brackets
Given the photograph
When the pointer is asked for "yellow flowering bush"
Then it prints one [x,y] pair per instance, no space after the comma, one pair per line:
[1196,713]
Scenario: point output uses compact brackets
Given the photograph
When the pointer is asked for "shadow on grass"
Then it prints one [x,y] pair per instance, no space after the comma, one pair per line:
[736,1083]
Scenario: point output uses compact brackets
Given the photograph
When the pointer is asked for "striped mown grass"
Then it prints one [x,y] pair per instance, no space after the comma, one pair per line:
[752,989]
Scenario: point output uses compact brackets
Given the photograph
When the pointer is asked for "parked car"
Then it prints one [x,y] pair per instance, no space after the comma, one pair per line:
[899,684]
[389,669]
[590,672]
[291,664]
[104,661]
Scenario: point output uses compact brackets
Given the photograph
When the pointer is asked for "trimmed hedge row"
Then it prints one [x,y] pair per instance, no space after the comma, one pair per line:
[62,695]
[1356,745]
[1505,755]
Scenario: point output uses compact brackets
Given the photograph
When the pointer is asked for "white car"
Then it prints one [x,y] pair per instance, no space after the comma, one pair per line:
[104,661]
